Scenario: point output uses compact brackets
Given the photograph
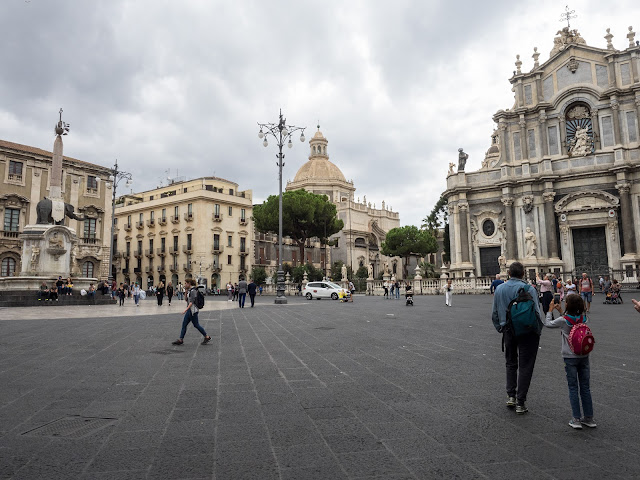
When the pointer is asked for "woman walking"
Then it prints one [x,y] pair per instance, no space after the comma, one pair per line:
[160,293]
[169,292]
[136,294]
[191,314]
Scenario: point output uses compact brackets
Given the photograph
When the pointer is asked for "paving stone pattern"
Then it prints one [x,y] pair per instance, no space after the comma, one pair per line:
[311,390]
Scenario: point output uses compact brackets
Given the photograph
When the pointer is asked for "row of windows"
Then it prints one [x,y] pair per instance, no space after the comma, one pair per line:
[9,268]
[163,243]
[16,169]
[607,137]
[12,223]
[176,214]
[191,263]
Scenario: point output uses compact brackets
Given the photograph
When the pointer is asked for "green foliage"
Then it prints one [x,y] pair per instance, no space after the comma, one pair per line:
[304,215]
[438,216]
[407,241]
[446,257]
[259,275]
[313,274]
[362,272]
[428,270]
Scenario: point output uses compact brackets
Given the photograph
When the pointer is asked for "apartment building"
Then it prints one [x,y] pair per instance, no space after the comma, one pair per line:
[200,228]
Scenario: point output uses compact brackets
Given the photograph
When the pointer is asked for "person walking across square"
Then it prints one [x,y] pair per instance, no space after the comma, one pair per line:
[251,290]
[136,294]
[169,292]
[576,366]
[242,291]
[520,350]
[448,293]
[191,314]
[586,291]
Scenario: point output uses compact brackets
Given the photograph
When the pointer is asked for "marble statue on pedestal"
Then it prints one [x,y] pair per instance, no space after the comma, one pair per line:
[531,243]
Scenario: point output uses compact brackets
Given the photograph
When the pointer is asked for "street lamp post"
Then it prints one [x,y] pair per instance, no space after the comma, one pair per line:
[281,132]
[116,175]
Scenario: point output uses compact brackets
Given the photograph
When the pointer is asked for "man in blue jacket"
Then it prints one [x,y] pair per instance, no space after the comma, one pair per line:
[520,351]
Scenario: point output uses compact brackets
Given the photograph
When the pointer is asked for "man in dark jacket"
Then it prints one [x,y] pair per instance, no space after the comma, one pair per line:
[251,289]
[520,351]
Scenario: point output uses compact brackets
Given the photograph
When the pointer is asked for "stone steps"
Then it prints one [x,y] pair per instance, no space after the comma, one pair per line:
[29,298]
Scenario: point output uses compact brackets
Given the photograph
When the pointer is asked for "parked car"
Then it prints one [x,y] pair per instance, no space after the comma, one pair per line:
[323,290]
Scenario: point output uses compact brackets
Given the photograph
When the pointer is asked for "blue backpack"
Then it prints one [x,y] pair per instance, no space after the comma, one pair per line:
[522,314]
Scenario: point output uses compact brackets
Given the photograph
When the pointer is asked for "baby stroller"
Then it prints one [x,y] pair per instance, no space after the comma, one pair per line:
[408,297]
[613,297]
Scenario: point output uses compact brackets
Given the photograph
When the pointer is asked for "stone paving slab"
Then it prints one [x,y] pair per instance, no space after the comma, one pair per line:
[321,389]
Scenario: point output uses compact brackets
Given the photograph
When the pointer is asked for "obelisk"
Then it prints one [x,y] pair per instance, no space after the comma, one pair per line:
[55,192]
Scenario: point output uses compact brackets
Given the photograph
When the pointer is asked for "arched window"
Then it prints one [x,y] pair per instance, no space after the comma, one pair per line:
[8,267]
[87,269]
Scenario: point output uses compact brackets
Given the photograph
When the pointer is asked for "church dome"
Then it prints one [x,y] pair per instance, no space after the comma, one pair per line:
[319,168]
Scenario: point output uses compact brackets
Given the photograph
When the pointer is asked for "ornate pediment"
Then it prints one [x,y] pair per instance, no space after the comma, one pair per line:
[375,228]
[175,230]
[216,229]
[189,229]
[91,210]
[163,232]
[139,236]
[13,200]
[151,234]
[243,232]
[587,201]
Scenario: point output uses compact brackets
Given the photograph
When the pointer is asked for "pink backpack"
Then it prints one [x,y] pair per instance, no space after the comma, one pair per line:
[581,339]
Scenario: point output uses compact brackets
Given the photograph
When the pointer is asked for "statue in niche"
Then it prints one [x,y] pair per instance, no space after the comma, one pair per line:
[462,159]
[55,241]
[581,143]
[531,243]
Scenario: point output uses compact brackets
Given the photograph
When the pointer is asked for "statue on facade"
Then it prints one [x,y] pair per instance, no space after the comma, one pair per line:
[502,261]
[565,37]
[531,243]
[462,159]
[451,167]
[581,143]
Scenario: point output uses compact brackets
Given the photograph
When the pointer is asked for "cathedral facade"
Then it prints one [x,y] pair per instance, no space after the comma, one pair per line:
[365,226]
[559,188]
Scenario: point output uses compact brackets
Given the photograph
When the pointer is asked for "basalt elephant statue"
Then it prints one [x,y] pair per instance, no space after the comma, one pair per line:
[44,213]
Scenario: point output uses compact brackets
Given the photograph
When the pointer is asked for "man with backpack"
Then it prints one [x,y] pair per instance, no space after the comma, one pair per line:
[518,316]
[195,301]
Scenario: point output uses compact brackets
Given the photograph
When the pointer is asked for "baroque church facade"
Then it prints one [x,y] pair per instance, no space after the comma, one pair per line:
[559,188]
[365,226]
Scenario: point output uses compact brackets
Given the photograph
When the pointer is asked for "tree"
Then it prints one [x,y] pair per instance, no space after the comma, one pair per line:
[407,241]
[259,275]
[304,215]
[435,220]
[362,272]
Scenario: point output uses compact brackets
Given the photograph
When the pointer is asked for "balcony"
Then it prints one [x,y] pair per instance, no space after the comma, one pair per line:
[149,269]
[161,251]
[161,268]
[174,268]
[127,227]
[162,221]
[117,254]
[217,248]
[216,268]
[149,253]
[137,270]
[244,222]
[90,241]
[187,267]
[14,177]
[217,217]
[151,223]
[139,225]
[188,217]
[244,252]
[126,255]
[188,249]
[92,191]
[175,219]
[174,251]
[10,234]
[125,271]
[137,254]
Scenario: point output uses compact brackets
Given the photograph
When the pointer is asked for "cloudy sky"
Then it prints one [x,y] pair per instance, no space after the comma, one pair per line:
[165,84]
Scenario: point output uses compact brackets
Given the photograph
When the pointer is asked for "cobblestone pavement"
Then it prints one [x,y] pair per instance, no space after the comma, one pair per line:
[307,390]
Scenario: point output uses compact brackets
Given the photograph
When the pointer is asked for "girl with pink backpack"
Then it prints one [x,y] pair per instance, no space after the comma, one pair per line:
[577,343]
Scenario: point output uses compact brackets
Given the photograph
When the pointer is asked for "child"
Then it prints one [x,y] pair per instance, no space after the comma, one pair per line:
[576,366]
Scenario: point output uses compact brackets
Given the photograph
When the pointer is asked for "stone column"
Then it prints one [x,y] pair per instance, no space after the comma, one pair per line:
[550,223]
[504,140]
[596,128]
[542,133]
[626,214]
[463,208]
[615,118]
[524,141]
[638,110]
[512,250]
[563,136]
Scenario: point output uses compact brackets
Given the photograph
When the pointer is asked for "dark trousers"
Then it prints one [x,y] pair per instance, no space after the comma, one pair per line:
[546,300]
[520,354]
[252,296]
[191,318]
[159,299]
